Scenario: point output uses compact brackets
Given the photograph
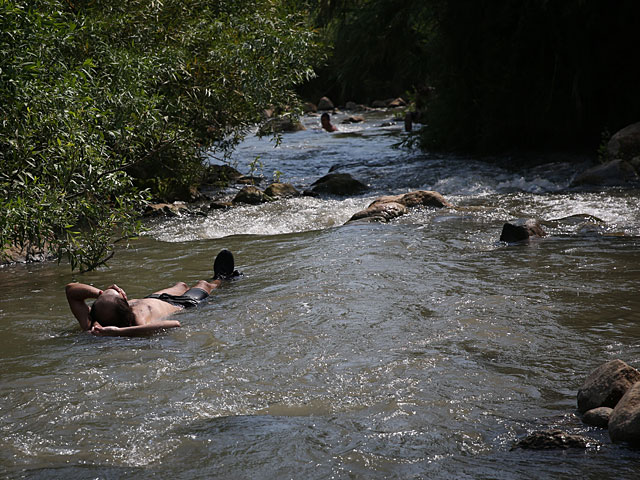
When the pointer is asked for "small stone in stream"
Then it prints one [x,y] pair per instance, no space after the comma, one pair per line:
[598,417]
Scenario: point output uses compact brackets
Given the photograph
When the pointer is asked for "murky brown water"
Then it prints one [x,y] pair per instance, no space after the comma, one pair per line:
[418,349]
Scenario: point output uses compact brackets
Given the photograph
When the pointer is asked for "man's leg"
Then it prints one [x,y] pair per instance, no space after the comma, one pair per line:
[178,289]
[207,286]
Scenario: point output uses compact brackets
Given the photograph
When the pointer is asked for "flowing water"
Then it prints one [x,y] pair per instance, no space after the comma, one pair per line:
[422,348]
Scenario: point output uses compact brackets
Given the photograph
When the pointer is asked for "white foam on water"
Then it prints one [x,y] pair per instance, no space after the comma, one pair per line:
[281,217]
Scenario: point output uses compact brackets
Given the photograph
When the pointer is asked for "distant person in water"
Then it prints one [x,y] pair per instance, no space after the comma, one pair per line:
[113,314]
[325,120]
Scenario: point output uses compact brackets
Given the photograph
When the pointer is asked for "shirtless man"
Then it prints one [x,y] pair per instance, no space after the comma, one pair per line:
[325,121]
[113,314]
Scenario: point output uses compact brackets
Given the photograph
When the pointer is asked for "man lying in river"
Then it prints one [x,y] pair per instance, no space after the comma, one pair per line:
[113,314]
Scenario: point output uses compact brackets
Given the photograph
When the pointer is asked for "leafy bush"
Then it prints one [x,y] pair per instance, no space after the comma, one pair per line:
[104,103]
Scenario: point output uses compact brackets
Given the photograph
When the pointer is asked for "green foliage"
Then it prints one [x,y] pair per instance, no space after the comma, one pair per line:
[100,100]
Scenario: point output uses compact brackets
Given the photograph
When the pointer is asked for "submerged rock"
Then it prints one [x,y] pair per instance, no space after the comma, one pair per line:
[606,385]
[521,230]
[598,417]
[624,423]
[338,184]
[554,439]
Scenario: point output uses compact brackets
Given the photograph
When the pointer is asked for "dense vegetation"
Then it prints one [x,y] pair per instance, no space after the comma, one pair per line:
[104,103]
[100,100]
[490,75]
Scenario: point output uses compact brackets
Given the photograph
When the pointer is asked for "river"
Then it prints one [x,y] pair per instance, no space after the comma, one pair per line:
[421,348]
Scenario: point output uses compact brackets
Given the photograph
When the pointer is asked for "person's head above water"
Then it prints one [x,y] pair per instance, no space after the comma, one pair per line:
[325,121]
[111,309]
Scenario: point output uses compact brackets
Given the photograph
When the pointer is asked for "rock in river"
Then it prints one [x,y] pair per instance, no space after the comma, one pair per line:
[625,143]
[521,230]
[251,195]
[598,417]
[624,423]
[389,207]
[338,184]
[606,385]
[614,173]
[281,190]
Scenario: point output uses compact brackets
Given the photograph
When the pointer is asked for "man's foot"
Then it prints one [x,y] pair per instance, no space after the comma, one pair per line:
[223,266]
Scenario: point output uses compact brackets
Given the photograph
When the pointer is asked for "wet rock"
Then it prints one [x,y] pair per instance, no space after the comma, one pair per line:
[26,254]
[325,104]
[379,103]
[249,180]
[606,385]
[391,206]
[425,198]
[625,144]
[396,103]
[624,423]
[389,103]
[614,173]
[521,230]
[381,212]
[281,190]
[554,439]
[221,175]
[250,195]
[166,209]
[598,417]
[355,107]
[309,107]
[281,125]
[218,205]
[353,119]
[338,184]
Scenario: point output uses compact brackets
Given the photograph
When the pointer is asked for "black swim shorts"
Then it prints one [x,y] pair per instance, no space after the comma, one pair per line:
[190,298]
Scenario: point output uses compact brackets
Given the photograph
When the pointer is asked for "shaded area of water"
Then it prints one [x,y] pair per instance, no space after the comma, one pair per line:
[417,349]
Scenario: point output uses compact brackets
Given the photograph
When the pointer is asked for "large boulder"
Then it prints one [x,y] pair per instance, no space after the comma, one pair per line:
[606,385]
[250,195]
[624,423]
[521,230]
[325,104]
[625,144]
[389,207]
[338,184]
[281,190]
[554,439]
[613,173]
